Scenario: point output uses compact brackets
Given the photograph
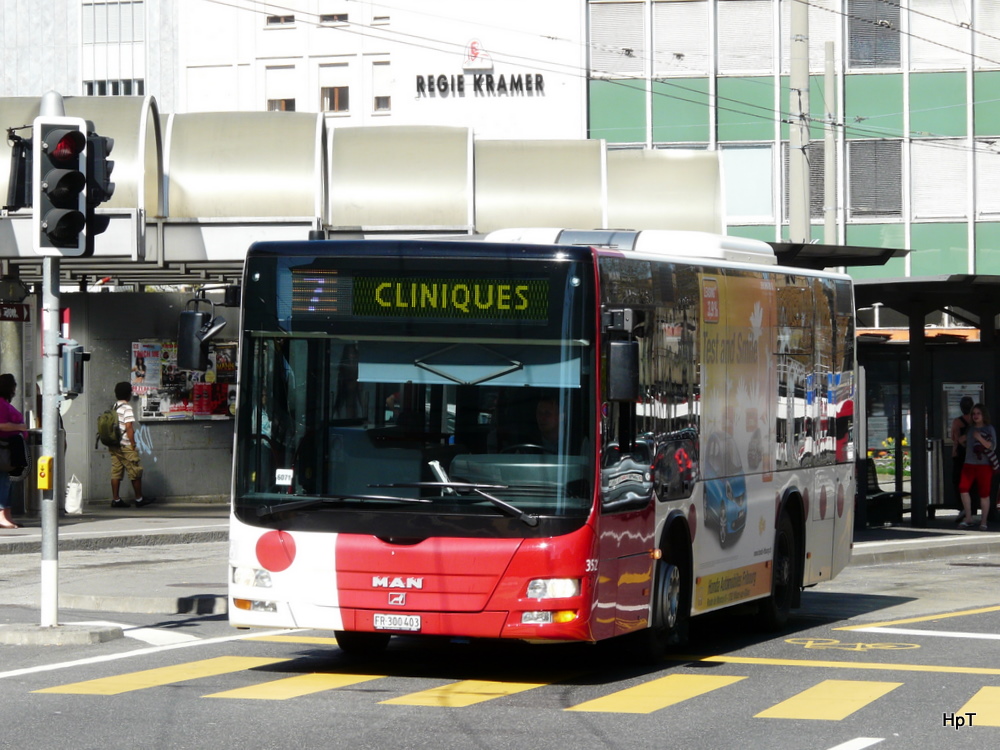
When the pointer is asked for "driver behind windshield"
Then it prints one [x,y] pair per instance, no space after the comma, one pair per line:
[549,418]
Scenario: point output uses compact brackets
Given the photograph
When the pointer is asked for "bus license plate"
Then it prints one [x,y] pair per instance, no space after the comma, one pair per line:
[396,622]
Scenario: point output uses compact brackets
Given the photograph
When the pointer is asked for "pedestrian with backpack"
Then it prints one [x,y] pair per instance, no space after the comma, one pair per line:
[124,456]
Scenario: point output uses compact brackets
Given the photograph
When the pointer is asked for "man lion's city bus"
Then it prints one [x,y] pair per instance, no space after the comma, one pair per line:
[594,435]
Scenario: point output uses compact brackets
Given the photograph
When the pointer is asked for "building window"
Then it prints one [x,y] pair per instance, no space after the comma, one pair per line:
[680,44]
[330,18]
[113,22]
[746,36]
[380,20]
[280,87]
[334,88]
[280,20]
[381,87]
[749,183]
[873,34]
[128,87]
[817,178]
[875,173]
[939,179]
[617,39]
[335,99]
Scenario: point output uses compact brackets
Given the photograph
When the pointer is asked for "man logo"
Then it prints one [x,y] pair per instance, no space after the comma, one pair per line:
[385,582]
[399,599]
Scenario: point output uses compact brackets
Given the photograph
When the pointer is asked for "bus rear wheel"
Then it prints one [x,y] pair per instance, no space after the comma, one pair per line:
[353,643]
[776,609]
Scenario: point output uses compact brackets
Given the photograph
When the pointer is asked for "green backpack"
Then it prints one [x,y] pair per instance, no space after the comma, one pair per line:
[108,431]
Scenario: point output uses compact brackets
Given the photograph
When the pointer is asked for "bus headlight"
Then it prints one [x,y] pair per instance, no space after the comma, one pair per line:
[547,618]
[553,588]
[246,576]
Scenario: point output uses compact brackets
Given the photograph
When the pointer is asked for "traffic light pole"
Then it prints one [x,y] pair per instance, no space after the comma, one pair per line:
[50,431]
[51,105]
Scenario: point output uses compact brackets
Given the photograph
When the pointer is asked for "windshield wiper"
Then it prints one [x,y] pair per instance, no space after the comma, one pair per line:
[313,502]
[465,487]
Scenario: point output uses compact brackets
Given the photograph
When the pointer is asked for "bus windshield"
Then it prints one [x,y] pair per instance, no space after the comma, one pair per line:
[348,427]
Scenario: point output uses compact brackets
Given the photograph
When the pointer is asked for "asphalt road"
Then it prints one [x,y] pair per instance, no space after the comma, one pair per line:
[893,656]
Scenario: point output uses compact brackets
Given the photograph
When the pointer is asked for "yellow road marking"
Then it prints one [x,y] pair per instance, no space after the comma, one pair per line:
[307,639]
[464,693]
[830,700]
[926,618]
[293,687]
[986,706]
[148,678]
[652,696]
[839,664]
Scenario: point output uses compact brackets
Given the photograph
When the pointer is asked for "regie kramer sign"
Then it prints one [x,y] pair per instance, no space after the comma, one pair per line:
[479,78]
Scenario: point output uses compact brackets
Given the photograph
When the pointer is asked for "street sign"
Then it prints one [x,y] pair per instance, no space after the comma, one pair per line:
[14,312]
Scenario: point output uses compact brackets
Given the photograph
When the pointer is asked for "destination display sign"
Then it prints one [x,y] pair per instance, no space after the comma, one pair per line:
[328,292]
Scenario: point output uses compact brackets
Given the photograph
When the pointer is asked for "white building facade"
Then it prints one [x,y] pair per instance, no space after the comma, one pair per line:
[516,69]
[453,62]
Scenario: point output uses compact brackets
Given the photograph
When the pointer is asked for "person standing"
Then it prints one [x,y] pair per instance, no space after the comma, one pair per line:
[125,457]
[11,425]
[959,430]
[977,470]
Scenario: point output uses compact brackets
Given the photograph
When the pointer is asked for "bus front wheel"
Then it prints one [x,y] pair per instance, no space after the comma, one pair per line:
[671,612]
[361,644]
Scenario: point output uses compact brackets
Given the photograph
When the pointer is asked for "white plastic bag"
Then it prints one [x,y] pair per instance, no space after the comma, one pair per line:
[74,497]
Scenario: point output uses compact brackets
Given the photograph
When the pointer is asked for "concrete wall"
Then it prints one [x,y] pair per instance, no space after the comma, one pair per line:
[182,460]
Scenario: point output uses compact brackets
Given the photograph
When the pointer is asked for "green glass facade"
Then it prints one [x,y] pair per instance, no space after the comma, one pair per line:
[917,132]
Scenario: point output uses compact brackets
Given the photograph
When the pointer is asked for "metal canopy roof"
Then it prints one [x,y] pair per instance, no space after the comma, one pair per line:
[195,190]
[818,257]
[972,298]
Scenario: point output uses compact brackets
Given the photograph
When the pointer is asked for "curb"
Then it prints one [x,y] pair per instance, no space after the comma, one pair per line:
[108,541]
[920,550]
[198,604]
[61,635]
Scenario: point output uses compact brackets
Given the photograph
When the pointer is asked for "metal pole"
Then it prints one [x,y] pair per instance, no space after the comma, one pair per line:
[830,150]
[798,163]
[51,105]
[50,428]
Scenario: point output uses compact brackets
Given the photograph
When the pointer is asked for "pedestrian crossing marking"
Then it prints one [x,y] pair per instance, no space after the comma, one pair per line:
[872,665]
[986,706]
[464,693]
[830,700]
[652,696]
[296,686]
[313,640]
[148,678]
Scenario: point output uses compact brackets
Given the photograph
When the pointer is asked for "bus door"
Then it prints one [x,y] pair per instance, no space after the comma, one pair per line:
[627,519]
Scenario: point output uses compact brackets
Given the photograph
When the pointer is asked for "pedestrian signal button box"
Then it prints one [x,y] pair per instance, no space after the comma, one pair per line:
[45,472]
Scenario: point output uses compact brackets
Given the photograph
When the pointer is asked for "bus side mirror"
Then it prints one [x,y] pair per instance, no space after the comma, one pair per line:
[623,371]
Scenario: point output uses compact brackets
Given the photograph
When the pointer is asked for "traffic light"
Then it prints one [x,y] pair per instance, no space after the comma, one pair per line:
[100,188]
[73,357]
[59,185]
[19,185]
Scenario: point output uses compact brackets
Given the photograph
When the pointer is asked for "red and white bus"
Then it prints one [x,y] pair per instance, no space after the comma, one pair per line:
[572,439]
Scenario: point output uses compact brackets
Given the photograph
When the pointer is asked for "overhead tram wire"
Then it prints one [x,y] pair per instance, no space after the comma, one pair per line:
[767,113]
[956,24]
[901,32]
